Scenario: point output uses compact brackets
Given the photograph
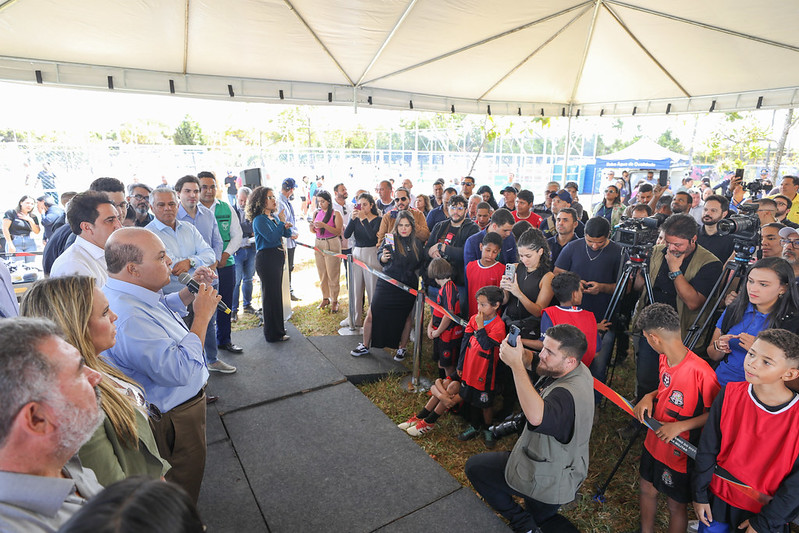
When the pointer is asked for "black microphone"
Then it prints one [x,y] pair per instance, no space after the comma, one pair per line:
[194,288]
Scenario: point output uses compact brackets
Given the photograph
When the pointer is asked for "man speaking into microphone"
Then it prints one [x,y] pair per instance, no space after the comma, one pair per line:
[156,348]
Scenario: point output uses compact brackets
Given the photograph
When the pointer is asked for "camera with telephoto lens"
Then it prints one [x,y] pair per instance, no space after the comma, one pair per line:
[744,226]
[512,424]
[754,187]
[638,232]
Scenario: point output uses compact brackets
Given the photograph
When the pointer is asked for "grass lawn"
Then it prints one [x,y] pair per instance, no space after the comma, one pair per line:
[620,510]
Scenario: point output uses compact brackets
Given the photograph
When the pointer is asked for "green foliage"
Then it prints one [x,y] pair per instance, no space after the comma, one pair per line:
[188,133]
[666,140]
[743,142]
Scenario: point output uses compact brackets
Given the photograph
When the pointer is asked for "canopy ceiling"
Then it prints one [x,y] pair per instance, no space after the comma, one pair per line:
[517,56]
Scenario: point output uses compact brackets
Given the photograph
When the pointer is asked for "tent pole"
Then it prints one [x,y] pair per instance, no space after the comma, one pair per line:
[568,149]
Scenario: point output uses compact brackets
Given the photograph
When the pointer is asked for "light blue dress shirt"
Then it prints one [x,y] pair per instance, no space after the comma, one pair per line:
[205,222]
[154,347]
[284,206]
[183,242]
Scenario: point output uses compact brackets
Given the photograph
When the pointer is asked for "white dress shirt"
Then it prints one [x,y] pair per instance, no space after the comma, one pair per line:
[82,258]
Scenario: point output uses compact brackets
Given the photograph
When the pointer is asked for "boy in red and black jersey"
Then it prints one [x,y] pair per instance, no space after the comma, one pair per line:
[445,333]
[478,362]
[486,270]
[686,389]
[751,432]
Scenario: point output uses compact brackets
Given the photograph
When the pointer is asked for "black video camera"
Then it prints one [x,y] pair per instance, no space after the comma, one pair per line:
[638,232]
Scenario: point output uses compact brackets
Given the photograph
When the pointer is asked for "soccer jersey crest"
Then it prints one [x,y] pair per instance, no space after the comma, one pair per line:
[666,379]
[677,398]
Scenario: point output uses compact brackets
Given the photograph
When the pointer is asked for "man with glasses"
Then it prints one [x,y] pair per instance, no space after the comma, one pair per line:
[790,248]
[139,199]
[683,274]
[402,202]
[447,240]
[784,205]
[467,186]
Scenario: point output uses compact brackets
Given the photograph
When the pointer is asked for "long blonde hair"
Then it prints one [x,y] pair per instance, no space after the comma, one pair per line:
[68,302]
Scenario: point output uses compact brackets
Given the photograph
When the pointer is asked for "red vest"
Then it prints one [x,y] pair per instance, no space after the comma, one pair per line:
[583,320]
[757,447]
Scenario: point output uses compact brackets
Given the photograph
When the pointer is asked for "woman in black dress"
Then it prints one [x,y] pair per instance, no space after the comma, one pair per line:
[269,229]
[388,323]
[530,290]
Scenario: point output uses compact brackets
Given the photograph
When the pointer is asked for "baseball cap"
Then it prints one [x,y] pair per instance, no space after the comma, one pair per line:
[563,194]
[788,232]
[289,184]
[509,188]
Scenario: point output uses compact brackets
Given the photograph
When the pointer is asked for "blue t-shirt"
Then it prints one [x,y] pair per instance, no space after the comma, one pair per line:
[602,267]
[732,367]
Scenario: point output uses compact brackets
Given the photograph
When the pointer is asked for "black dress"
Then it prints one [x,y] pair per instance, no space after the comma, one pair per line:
[515,312]
[392,305]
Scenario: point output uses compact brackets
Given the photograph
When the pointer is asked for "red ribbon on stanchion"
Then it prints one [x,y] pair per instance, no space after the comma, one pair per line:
[617,399]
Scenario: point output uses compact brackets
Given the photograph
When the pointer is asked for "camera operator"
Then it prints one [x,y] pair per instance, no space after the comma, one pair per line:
[716,208]
[645,193]
[550,460]
[683,274]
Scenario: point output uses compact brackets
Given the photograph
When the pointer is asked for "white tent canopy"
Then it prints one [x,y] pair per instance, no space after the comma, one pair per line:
[531,57]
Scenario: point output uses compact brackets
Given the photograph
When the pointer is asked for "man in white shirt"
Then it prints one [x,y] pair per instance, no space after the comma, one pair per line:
[93,218]
[341,206]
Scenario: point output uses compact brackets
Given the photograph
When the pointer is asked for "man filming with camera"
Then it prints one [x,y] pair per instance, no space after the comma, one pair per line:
[550,460]
[683,274]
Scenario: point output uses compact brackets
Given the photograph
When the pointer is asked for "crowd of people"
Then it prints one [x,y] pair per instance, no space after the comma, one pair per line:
[109,360]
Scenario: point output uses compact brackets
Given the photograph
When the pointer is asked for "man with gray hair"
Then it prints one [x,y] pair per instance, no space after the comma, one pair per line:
[49,407]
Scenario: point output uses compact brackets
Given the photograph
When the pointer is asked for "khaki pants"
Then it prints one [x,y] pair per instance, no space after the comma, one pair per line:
[328,267]
[180,436]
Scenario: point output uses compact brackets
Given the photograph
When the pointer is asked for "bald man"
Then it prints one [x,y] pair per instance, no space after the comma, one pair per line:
[155,348]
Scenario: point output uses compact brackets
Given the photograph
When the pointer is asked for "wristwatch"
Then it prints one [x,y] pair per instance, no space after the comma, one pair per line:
[192,262]
[673,275]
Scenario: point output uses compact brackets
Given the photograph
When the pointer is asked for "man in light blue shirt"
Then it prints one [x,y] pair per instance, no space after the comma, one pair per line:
[191,212]
[284,206]
[155,348]
[184,243]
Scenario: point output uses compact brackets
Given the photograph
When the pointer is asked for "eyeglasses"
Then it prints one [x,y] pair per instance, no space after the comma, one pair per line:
[791,243]
[139,197]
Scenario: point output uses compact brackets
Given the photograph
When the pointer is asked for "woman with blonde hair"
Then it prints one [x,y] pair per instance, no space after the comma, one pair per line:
[123,445]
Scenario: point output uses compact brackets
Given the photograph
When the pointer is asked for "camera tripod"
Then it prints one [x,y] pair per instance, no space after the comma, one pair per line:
[635,264]
[734,269]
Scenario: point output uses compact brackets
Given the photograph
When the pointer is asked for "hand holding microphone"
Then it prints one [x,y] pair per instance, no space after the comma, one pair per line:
[194,288]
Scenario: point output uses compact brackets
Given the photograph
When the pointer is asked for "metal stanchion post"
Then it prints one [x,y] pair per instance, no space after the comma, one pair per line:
[351,329]
[415,382]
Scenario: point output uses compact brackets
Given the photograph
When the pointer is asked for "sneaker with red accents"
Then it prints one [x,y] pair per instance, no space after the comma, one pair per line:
[420,428]
[412,421]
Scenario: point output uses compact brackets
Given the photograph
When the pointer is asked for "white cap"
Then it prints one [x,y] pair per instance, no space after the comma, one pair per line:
[788,232]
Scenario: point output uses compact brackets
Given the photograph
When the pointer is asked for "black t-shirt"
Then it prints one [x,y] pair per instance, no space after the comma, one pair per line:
[555,248]
[230,181]
[19,226]
[663,290]
[558,419]
[601,267]
[719,245]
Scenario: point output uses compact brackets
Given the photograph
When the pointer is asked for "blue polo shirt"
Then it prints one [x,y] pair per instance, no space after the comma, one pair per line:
[732,367]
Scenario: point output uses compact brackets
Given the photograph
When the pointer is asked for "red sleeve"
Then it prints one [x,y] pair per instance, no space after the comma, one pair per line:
[496,329]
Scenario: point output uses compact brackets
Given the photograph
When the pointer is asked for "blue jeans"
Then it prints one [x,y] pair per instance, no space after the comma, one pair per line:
[211,348]
[599,366]
[231,199]
[245,270]
[24,243]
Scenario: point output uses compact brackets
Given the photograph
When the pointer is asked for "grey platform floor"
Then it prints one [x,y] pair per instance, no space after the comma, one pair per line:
[294,446]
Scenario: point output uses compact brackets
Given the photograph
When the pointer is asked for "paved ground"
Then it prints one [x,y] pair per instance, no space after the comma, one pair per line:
[294,446]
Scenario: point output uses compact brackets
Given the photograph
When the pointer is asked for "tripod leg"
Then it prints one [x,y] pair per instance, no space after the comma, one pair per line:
[600,492]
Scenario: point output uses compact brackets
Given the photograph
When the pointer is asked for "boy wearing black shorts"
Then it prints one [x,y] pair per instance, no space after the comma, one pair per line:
[445,333]
[686,389]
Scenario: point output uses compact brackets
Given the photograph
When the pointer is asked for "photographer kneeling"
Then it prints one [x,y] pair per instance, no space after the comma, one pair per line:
[550,460]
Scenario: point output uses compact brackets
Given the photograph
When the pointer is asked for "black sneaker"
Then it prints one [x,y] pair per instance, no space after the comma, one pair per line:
[248,310]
